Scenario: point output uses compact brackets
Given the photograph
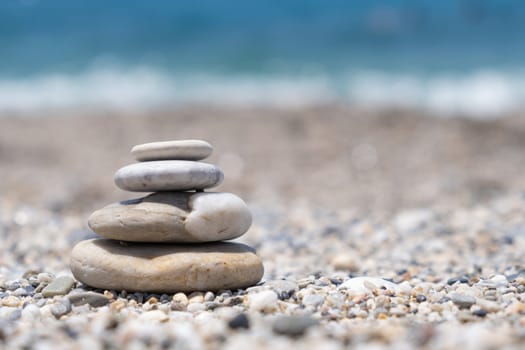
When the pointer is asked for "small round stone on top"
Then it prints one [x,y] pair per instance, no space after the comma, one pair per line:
[172,150]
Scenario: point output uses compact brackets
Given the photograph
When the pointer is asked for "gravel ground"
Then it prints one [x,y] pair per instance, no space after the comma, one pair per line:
[449,279]
[422,246]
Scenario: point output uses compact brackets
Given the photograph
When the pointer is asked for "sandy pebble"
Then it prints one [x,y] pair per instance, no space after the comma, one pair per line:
[10,301]
[117,305]
[196,297]
[180,298]
[516,307]
[487,305]
[90,298]
[345,262]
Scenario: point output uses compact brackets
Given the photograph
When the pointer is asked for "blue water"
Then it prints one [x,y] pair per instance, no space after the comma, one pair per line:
[435,53]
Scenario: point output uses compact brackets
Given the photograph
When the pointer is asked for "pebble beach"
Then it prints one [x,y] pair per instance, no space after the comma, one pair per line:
[376,228]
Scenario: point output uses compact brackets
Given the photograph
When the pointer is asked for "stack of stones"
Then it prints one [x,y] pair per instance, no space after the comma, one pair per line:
[171,240]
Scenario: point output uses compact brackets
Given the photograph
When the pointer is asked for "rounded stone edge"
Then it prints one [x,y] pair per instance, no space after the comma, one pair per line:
[204,218]
[123,185]
[77,266]
[128,233]
[144,152]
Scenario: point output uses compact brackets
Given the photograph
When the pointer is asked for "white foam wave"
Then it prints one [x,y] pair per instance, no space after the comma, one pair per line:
[478,94]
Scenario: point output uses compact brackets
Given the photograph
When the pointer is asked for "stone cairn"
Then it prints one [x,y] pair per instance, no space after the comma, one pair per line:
[172,239]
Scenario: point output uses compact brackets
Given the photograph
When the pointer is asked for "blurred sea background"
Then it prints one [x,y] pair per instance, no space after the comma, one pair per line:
[450,57]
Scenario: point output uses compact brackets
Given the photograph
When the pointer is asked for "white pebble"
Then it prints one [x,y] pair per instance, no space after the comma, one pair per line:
[404,287]
[364,285]
[313,300]
[196,307]
[263,301]
[31,312]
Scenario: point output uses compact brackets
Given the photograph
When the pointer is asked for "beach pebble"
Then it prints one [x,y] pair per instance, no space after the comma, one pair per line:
[345,262]
[117,305]
[516,307]
[174,217]
[168,268]
[240,321]
[313,300]
[335,299]
[61,308]
[180,298]
[90,298]
[263,301]
[10,301]
[13,315]
[283,288]
[496,281]
[179,302]
[209,296]
[44,277]
[293,325]
[196,297]
[462,301]
[13,285]
[31,312]
[21,292]
[365,285]
[479,313]
[168,175]
[59,286]
[172,150]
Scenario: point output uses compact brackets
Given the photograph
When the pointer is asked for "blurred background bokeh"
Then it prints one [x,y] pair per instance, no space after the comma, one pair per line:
[367,104]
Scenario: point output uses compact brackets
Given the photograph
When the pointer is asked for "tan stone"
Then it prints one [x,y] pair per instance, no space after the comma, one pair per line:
[165,268]
[174,217]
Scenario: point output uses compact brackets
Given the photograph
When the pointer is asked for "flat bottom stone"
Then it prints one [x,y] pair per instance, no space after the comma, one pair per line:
[166,268]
